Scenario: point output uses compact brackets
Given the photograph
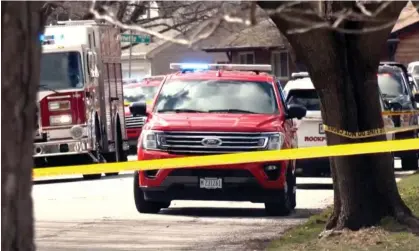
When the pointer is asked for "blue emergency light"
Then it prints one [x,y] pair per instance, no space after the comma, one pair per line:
[188,66]
[50,39]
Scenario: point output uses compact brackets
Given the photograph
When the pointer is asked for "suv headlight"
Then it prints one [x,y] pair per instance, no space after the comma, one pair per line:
[275,141]
[150,140]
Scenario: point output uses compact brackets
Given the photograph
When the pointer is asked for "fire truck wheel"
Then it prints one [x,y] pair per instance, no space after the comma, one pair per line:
[92,176]
[120,155]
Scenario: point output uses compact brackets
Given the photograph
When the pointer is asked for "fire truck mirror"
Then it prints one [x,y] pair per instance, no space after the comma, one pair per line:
[92,60]
[138,109]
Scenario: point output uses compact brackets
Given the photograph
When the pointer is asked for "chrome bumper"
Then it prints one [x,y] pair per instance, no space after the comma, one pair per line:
[60,147]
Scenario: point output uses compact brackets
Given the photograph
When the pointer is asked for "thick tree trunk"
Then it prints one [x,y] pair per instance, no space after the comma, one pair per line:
[343,69]
[21,26]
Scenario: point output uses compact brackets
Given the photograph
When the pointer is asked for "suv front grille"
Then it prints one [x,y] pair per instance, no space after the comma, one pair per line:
[134,122]
[203,142]
[211,172]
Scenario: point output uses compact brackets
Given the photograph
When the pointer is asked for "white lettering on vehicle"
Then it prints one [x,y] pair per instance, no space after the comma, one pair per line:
[316,139]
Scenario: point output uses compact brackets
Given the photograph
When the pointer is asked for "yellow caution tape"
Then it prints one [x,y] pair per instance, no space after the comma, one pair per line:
[368,133]
[148,102]
[389,113]
[236,158]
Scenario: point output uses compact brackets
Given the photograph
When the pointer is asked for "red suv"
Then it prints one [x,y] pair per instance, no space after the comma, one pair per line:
[217,109]
[143,91]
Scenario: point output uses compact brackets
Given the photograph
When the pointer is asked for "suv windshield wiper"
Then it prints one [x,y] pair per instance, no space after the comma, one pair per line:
[180,110]
[48,88]
[231,111]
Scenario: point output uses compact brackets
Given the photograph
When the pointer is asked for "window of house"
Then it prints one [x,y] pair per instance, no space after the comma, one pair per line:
[246,57]
[280,64]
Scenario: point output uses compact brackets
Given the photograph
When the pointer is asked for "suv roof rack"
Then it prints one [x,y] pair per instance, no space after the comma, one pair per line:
[188,67]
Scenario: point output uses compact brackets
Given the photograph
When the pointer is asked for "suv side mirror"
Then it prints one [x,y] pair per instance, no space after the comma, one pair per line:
[417,97]
[138,109]
[296,111]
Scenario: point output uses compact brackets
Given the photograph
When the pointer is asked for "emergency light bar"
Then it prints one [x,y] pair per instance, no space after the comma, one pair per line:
[50,39]
[303,74]
[231,67]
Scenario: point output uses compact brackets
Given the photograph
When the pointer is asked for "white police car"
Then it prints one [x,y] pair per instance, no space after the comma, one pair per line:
[310,133]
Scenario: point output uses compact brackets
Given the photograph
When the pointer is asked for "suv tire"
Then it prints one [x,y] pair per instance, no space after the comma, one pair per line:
[287,198]
[143,206]
[409,162]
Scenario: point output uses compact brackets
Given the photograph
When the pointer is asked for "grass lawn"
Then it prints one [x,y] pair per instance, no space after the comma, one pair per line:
[388,236]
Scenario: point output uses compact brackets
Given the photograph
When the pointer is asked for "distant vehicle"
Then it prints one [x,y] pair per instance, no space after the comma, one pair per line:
[143,91]
[216,109]
[394,84]
[129,81]
[413,68]
[80,111]
[300,90]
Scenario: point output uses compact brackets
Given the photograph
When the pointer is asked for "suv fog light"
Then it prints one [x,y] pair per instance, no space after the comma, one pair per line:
[270,168]
[272,171]
[151,173]
[76,132]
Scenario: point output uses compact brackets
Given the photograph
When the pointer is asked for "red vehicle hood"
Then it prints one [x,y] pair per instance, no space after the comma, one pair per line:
[215,122]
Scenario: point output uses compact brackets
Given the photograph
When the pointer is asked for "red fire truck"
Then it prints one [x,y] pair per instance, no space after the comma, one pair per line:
[80,99]
[144,91]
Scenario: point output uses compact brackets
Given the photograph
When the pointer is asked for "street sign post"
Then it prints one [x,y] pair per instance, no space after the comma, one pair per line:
[138,39]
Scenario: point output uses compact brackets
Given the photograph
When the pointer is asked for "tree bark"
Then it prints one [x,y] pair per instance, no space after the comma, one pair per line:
[21,25]
[343,69]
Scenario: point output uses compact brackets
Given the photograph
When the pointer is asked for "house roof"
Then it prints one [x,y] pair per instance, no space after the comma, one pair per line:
[264,34]
[225,30]
[149,51]
[157,44]
[408,16]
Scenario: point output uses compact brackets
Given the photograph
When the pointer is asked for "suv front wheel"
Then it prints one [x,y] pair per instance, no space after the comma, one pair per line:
[143,206]
[287,198]
[409,162]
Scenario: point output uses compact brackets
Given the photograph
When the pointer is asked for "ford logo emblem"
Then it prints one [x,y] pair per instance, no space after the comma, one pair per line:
[211,142]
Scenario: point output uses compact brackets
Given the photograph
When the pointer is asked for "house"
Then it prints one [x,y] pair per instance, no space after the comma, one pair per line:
[403,44]
[155,58]
[259,44]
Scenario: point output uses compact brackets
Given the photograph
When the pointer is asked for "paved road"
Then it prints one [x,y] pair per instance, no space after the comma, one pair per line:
[74,214]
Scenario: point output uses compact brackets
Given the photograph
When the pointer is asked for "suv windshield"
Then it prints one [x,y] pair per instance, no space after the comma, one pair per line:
[139,93]
[230,96]
[306,97]
[61,70]
[391,84]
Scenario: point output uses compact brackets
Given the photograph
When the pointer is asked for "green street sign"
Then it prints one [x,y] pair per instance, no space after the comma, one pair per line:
[138,39]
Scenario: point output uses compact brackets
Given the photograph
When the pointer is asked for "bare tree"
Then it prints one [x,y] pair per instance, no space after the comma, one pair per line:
[22,23]
[341,44]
